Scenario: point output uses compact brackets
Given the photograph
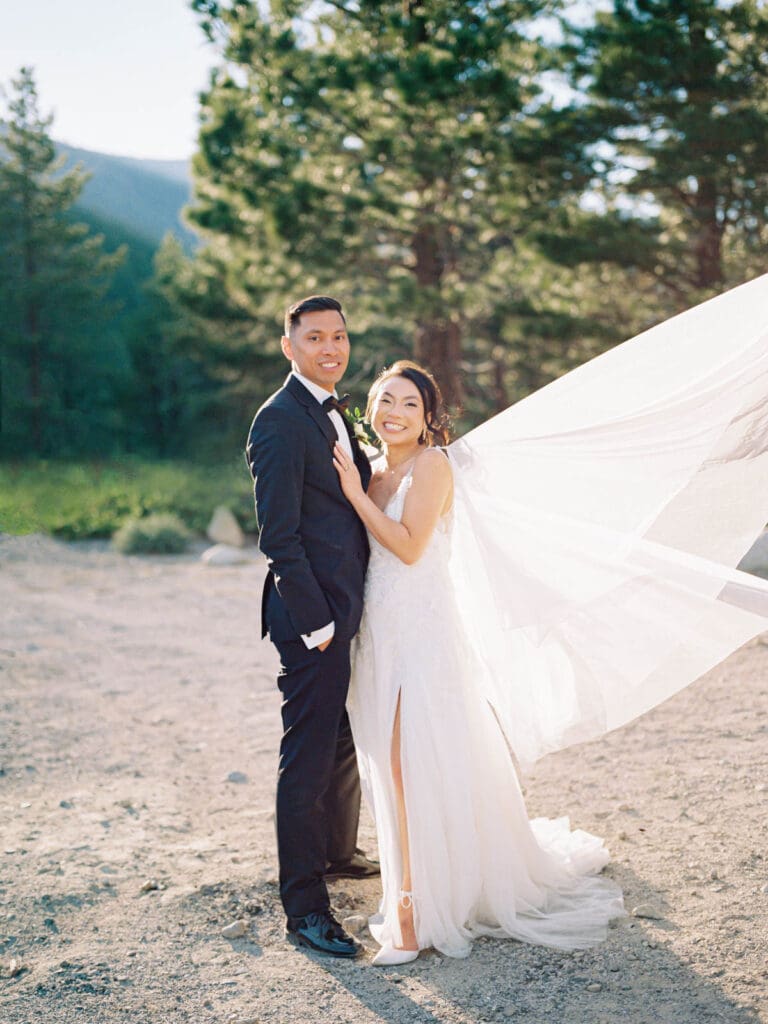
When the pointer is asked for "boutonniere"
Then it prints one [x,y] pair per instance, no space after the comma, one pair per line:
[361,428]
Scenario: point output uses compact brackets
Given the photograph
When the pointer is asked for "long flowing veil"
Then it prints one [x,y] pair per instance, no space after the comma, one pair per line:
[599,520]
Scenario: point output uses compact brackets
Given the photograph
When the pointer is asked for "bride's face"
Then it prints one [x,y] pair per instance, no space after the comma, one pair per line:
[398,412]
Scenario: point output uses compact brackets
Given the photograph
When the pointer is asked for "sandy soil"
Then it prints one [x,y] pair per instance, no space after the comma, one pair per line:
[131,689]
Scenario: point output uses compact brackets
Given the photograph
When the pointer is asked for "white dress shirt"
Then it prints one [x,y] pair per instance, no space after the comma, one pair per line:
[335,416]
[319,636]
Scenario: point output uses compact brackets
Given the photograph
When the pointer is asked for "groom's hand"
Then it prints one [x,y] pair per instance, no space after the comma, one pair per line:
[324,644]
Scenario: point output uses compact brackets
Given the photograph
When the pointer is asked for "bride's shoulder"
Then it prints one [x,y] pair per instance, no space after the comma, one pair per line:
[433,462]
[433,478]
[435,454]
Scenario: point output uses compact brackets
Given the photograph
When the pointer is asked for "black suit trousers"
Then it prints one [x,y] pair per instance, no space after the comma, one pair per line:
[318,787]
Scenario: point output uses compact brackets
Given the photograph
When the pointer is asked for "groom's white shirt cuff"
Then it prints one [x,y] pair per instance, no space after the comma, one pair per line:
[319,636]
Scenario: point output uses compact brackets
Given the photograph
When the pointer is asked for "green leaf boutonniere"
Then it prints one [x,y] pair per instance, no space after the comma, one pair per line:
[361,428]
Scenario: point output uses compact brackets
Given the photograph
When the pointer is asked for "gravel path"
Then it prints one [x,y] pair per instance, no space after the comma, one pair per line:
[138,739]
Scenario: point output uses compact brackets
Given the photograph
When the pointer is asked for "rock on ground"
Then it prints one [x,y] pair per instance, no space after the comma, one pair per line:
[224,528]
[226,554]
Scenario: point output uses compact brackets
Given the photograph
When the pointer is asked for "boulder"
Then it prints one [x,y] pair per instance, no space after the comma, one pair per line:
[225,529]
[225,554]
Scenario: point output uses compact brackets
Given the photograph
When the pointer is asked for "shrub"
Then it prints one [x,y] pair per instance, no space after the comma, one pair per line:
[161,534]
[78,501]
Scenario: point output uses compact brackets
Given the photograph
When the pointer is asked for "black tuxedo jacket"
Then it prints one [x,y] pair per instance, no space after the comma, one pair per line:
[315,544]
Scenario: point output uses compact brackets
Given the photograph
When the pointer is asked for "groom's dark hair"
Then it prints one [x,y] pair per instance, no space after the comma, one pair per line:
[312,304]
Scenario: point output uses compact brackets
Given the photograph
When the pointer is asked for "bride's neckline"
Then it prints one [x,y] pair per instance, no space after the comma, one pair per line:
[406,476]
[400,483]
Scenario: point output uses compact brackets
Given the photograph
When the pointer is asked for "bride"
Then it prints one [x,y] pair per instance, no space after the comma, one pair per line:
[553,574]
[459,857]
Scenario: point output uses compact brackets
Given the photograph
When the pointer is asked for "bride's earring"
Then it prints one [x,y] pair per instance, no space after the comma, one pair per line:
[424,434]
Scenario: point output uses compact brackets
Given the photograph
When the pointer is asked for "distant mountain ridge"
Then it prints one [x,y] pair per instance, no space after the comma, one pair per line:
[143,197]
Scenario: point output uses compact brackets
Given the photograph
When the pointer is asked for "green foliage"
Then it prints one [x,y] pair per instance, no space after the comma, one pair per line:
[165,400]
[158,534]
[194,374]
[91,359]
[56,368]
[677,126]
[403,155]
[126,292]
[389,153]
[77,501]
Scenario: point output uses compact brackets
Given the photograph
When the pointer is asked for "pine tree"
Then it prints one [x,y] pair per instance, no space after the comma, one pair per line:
[193,358]
[678,117]
[53,276]
[391,152]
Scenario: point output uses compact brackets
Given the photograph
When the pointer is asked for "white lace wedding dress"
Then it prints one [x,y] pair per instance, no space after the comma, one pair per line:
[478,866]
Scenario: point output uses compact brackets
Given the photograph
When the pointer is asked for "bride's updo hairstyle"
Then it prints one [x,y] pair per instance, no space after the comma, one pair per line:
[436,420]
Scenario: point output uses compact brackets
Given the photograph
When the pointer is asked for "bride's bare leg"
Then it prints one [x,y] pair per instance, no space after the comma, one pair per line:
[405,913]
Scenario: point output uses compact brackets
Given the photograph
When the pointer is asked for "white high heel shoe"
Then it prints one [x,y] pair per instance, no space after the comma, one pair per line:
[391,956]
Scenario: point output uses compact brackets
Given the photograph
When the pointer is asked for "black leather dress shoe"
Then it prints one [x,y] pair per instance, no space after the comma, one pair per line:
[322,933]
[358,866]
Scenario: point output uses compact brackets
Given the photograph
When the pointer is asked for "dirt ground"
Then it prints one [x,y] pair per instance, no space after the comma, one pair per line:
[139,727]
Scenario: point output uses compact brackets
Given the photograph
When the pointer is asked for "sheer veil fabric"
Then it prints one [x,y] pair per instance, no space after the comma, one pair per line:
[598,523]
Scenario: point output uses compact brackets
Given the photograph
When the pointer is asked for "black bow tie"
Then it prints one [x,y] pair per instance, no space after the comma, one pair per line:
[339,404]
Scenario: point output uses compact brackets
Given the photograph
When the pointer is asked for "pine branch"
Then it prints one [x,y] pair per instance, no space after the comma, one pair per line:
[345,10]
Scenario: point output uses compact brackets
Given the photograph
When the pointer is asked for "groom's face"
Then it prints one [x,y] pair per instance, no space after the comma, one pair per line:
[318,347]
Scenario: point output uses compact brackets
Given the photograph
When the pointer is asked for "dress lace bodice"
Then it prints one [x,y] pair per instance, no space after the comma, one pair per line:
[424,577]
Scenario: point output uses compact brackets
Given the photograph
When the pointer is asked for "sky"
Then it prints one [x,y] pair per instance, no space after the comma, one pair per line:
[119,76]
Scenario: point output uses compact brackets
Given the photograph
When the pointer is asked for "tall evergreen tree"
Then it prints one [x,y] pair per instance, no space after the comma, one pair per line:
[53,276]
[193,359]
[678,124]
[389,151]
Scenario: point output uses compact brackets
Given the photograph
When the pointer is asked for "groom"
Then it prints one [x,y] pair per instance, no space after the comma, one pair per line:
[317,553]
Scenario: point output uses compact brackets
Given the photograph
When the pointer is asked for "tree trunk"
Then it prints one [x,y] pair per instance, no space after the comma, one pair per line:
[35,375]
[32,327]
[708,243]
[438,347]
[500,396]
[708,231]
[413,15]
[438,341]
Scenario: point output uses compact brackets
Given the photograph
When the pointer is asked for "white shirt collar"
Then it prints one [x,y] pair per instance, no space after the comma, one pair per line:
[314,389]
